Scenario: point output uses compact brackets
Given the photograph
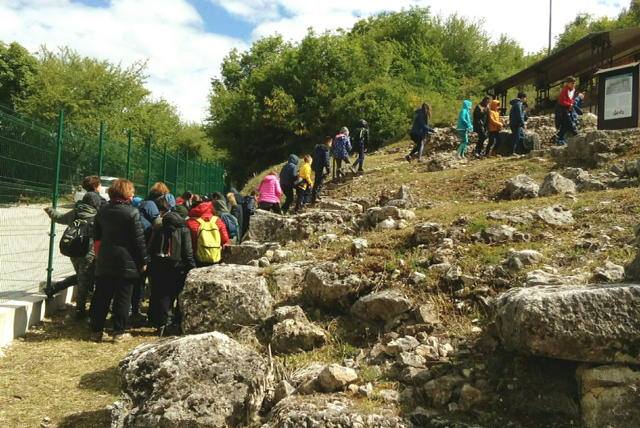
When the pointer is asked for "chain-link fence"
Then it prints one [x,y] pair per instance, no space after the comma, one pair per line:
[40,165]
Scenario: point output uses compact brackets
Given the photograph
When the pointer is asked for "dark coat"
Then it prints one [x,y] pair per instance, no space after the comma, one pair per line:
[480,119]
[321,159]
[516,114]
[289,172]
[179,248]
[420,127]
[361,139]
[122,246]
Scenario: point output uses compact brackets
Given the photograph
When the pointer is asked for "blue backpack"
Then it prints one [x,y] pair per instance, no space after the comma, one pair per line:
[231,223]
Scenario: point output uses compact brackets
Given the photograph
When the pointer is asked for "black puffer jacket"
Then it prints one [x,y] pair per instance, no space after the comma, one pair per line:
[170,243]
[122,246]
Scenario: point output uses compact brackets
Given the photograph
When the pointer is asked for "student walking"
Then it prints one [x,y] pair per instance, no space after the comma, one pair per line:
[305,183]
[288,177]
[270,193]
[208,234]
[361,142]
[494,126]
[121,261]
[464,127]
[419,131]
[321,167]
[517,122]
[341,149]
[566,112]
[480,121]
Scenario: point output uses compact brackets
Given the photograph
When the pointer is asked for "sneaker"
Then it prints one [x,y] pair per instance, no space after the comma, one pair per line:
[98,336]
[121,337]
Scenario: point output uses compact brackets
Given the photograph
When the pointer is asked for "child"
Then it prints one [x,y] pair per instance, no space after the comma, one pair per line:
[419,131]
[305,182]
[464,128]
[565,111]
[341,149]
[495,126]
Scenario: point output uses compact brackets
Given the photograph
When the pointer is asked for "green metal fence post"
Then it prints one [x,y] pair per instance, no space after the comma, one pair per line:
[164,164]
[148,164]
[177,171]
[100,148]
[54,196]
[128,154]
[186,171]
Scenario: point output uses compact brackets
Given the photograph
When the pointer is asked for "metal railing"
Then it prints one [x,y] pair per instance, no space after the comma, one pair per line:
[41,164]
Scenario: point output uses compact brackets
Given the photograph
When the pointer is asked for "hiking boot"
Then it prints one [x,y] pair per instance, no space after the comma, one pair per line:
[121,337]
[98,336]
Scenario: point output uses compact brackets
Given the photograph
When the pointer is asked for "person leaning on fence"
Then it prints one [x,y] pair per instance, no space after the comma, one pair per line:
[82,256]
[341,149]
[269,193]
[171,253]
[121,260]
[419,131]
[321,167]
[208,234]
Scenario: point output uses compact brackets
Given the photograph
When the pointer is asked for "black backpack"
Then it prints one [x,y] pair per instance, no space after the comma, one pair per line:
[76,239]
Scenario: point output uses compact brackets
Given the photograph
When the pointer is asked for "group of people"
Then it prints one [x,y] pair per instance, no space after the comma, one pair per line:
[118,246]
[301,182]
[485,122]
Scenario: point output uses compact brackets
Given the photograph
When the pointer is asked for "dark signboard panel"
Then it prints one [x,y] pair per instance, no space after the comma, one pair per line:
[618,97]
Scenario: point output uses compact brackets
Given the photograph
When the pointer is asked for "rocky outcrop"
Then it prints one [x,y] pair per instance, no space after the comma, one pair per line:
[293,332]
[609,396]
[205,380]
[599,324]
[324,411]
[333,286]
[556,184]
[224,297]
[520,187]
[244,253]
[381,306]
[270,227]
[429,233]
[556,215]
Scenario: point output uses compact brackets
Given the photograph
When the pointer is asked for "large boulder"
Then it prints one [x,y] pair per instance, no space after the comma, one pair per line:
[381,306]
[609,396]
[333,286]
[205,380]
[270,227]
[555,215]
[244,253]
[286,280]
[556,184]
[224,297]
[293,332]
[330,411]
[520,187]
[599,324]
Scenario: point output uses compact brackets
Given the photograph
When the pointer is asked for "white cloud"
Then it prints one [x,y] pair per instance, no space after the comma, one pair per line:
[524,20]
[182,57]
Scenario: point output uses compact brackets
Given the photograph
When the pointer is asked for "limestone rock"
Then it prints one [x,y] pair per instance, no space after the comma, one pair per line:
[327,284]
[439,391]
[501,234]
[520,187]
[224,297]
[544,277]
[556,215]
[610,272]
[242,254]
[513,217]
[429,233]
[469,396]
[339,205]
[609,396]
[383,305]
[599,324]
[283,390]
[402,344]
[293,332]
[335,377]
[319,411]
[517,259]
[287,279]
[359,245]
[556,184]
[205,380]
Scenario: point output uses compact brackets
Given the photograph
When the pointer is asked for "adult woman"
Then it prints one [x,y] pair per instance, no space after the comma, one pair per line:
[419,131]
[270,193]
[121,260]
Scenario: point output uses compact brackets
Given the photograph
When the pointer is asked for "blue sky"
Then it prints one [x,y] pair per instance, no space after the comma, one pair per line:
[184,41]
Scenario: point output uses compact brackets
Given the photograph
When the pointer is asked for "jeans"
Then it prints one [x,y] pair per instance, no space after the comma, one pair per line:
[84,279]
[108,289]
[339,161]
[518,140]
[360,161]
[418,146]
[288,198]
[493,142]
[302,198]
[270,206]
[317,185]
[566,125]
[168,282]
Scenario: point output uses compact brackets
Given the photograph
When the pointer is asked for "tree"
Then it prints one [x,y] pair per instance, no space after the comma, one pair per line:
[17,69]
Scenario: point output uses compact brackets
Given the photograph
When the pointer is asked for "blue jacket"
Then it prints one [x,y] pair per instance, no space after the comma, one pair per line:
[148,213]
[289,172]
[341,146]
[516,114]
[464,118]
[321,159]
[420,126]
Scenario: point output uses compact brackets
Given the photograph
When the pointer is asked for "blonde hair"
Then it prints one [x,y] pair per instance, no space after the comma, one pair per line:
[308,158]
[159,187]
[231,198]
[121,189]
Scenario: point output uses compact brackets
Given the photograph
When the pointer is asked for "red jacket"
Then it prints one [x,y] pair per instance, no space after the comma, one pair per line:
[565,100]
[205,211]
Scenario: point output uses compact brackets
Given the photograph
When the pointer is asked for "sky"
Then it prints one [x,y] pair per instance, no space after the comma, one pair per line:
[184,41]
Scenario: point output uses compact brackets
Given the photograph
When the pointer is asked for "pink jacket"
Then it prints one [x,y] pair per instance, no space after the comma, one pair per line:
[270,190]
